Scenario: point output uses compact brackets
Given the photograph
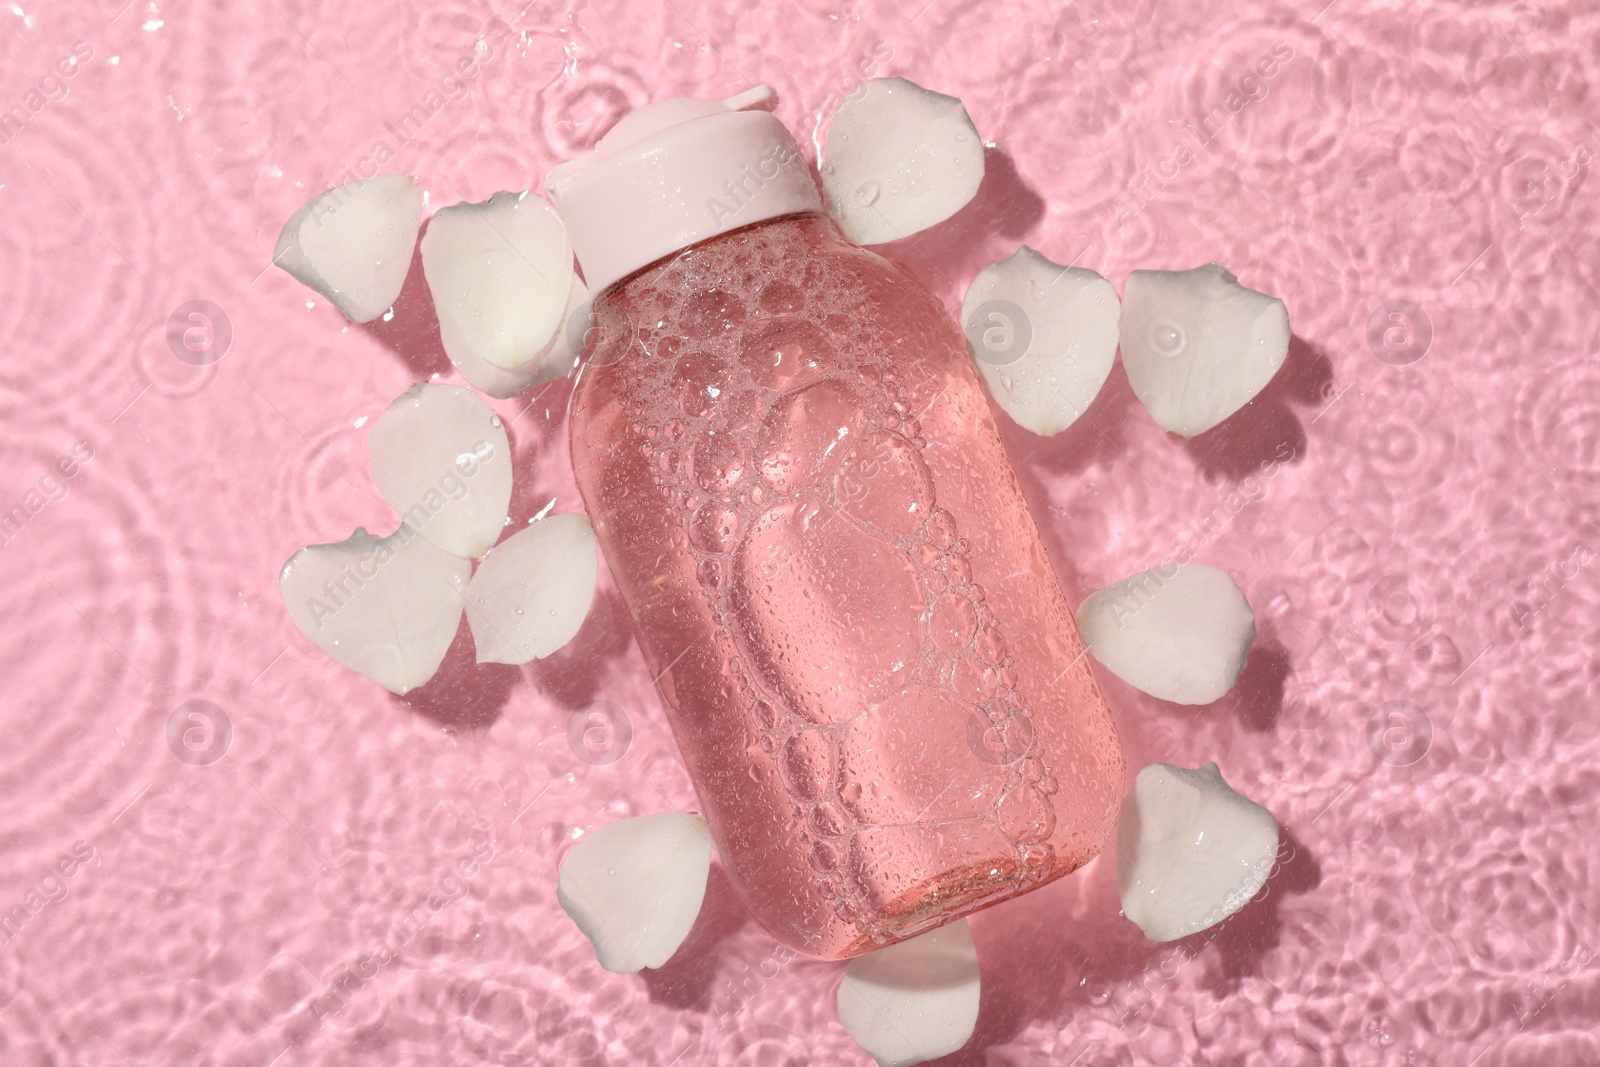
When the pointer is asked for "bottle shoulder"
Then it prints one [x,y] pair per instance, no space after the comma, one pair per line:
[794,269]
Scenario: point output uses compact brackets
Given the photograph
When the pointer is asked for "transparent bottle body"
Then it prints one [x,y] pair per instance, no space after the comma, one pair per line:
[870,670]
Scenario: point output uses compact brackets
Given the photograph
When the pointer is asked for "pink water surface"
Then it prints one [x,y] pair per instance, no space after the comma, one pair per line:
[1419,711]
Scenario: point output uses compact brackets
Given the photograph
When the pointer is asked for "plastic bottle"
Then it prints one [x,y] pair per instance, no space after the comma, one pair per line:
[794,475]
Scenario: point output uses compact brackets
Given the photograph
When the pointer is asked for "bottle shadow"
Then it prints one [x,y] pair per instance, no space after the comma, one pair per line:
[1040,969]
[1266,429]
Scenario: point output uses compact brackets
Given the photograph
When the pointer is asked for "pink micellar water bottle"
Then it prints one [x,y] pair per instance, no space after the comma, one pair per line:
[793,471]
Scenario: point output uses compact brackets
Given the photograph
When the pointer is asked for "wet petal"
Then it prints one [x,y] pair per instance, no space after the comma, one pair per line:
[898,159]
[1179,632]
[1198,345]
[386,607]
[1044,337]
[635,887]
[442,461]
[1191,851]
[531,593]
[353,244]
[558,359]
[913,1001]
[501,277]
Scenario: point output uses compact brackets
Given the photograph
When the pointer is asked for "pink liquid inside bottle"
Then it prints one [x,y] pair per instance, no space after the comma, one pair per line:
[793,472]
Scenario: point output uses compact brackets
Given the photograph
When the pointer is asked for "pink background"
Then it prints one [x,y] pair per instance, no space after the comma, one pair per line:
[1434,902]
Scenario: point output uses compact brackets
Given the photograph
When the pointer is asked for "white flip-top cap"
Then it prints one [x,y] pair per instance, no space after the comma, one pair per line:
[676,173]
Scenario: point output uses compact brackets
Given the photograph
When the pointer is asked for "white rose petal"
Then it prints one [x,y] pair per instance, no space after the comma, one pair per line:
[913,1001]
[1198,345]
[386,607]
[1191,851]
[635,887]
[558,359]
[898,159]
[1182,637]
[533,591]
[1045,365]
[501,277]
[442,461]
[353,244]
